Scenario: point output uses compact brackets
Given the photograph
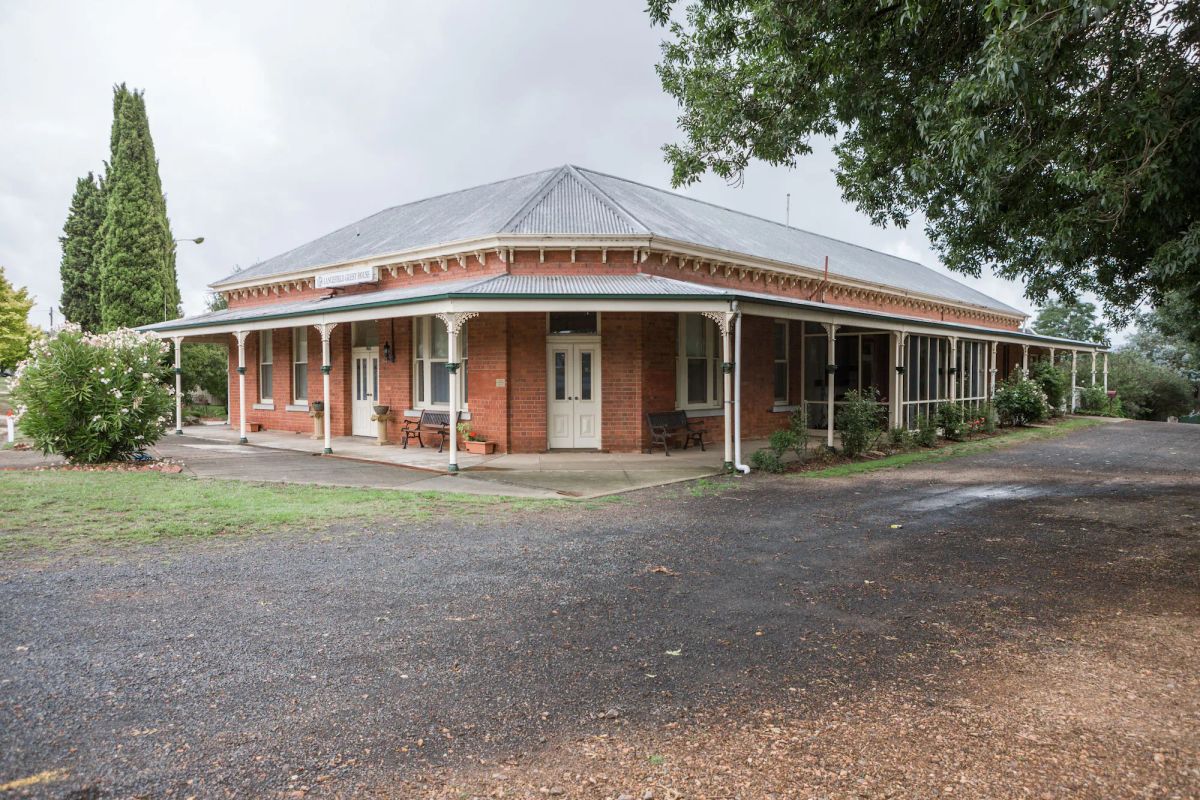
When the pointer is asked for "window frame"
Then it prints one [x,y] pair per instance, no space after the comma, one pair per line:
[299,337]
[713,359]
[786,361]
[422,363]
[266,365]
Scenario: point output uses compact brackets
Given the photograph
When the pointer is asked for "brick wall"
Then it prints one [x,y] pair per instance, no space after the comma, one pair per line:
[527,382]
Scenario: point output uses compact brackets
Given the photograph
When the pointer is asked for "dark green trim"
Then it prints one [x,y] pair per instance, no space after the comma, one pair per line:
[770,301]
[241,370]
[451,367]
[326,369]
[452,469]
[179,370]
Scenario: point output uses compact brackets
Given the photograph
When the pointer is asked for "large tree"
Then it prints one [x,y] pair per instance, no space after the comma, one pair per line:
[136,255]
[1054,141]
[1071,320]
[80,301]
[15,331]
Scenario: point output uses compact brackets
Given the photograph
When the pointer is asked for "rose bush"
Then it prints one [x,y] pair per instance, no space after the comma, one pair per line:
[93,397]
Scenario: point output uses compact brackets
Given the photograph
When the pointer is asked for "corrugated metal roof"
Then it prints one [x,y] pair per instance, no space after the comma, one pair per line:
[565,286]
[567,206]
[574,201]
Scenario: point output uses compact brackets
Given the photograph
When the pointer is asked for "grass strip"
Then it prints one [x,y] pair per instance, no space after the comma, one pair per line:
[51,510]
[954,450]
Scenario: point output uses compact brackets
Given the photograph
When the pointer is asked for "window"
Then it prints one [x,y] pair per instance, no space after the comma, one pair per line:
[265,392]
[699,369]
[300,366]
[573,322]
[781,362]
[431,353]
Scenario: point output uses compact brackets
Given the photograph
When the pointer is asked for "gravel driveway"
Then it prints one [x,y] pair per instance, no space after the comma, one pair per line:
[352,659]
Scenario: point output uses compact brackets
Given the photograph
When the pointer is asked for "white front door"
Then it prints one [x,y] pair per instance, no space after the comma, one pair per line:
[365,361]
[573,393]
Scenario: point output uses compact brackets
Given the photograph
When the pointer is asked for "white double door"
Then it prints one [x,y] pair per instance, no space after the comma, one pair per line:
[365,388]
[573,393]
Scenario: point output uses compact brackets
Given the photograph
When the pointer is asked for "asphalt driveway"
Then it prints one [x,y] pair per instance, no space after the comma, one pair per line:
[349,660]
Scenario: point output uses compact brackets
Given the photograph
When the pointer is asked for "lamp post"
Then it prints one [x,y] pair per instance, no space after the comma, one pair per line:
[167,270]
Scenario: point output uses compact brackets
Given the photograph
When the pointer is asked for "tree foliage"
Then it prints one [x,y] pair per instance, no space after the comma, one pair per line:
[1055,141]
[1148,390]
[16,333]
[1071,320]
[136,253]
[80,301]
[206,367]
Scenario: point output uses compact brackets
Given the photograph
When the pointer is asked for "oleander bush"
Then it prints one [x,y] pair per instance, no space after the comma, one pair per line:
[93,397]
[927,428]
[1020,401]
[1054,382]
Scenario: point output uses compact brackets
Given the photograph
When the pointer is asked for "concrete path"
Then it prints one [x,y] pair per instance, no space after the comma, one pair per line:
[273,456]
[208,458]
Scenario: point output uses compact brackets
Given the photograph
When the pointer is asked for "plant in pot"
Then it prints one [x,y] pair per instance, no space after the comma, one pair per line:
[475,442]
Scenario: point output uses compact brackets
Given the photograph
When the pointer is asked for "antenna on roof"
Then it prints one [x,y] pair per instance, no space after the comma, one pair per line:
[787,218]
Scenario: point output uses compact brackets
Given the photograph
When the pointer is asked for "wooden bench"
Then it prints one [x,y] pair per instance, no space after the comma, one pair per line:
[431,423]
[667,424]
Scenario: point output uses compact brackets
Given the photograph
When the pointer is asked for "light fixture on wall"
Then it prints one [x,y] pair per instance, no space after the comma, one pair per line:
[389,355]
[387,352]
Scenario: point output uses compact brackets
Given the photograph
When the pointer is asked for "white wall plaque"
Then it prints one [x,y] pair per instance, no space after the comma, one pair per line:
[347,277]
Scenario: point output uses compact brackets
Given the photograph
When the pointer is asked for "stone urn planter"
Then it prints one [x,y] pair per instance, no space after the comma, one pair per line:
[380,417]
[316,410]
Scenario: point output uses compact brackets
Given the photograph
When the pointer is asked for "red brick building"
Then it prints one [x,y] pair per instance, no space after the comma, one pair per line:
[555,310]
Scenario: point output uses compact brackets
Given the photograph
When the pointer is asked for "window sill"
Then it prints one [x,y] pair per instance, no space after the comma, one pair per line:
[784,409]
[463,416]
[704,412]
[296,407]
[263,407]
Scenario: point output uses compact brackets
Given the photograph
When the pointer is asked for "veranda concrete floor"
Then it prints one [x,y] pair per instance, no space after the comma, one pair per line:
[213,451]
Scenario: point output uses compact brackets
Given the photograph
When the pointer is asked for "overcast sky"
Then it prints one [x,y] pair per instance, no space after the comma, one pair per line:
[276,123]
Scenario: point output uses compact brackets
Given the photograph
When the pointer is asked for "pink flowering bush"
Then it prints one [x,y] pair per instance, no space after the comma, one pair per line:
[93,397]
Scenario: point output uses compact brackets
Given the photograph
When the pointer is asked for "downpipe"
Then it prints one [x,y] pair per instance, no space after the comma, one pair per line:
[737,392]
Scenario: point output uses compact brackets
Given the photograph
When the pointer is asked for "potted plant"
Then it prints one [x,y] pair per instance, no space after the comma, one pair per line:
[475,443]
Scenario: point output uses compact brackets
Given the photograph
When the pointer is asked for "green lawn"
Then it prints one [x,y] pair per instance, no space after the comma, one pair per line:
[78,510]
[957,449]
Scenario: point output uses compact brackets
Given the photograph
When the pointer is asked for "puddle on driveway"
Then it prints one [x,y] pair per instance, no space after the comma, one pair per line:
[969,496]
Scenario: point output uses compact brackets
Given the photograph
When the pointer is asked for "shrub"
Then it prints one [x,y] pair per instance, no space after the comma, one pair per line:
[952,421]
[1094,400]
[798,423]
[783,440]
[926,434]
[1149,390]
[1020,401]
[93,398]
[1054,382]
[858,420]
[988,414]
[766,460]
[900,438]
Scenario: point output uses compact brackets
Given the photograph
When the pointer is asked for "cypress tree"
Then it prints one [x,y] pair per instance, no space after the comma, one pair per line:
[80,279]
[137,255]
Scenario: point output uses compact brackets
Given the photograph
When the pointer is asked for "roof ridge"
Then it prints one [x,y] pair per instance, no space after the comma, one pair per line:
[606,198]
[751,216]
[537,196]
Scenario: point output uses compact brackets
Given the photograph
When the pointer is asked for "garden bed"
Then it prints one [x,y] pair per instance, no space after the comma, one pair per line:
[165,466]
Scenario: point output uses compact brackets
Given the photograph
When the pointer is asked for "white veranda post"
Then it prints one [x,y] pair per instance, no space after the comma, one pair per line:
[724,322]
[241,368]
[992,372]
[1106,372]
[1025,359]
[898,338]
[1093,369]
[830,369]
[326,331]
[952,369]
[454,321]
[178,385]
[1074,365]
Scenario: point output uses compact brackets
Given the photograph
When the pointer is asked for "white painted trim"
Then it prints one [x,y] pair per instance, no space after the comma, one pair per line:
[263,407]
[296,407]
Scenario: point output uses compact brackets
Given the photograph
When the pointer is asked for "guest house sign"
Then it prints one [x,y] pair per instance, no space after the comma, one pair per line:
[347,277]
